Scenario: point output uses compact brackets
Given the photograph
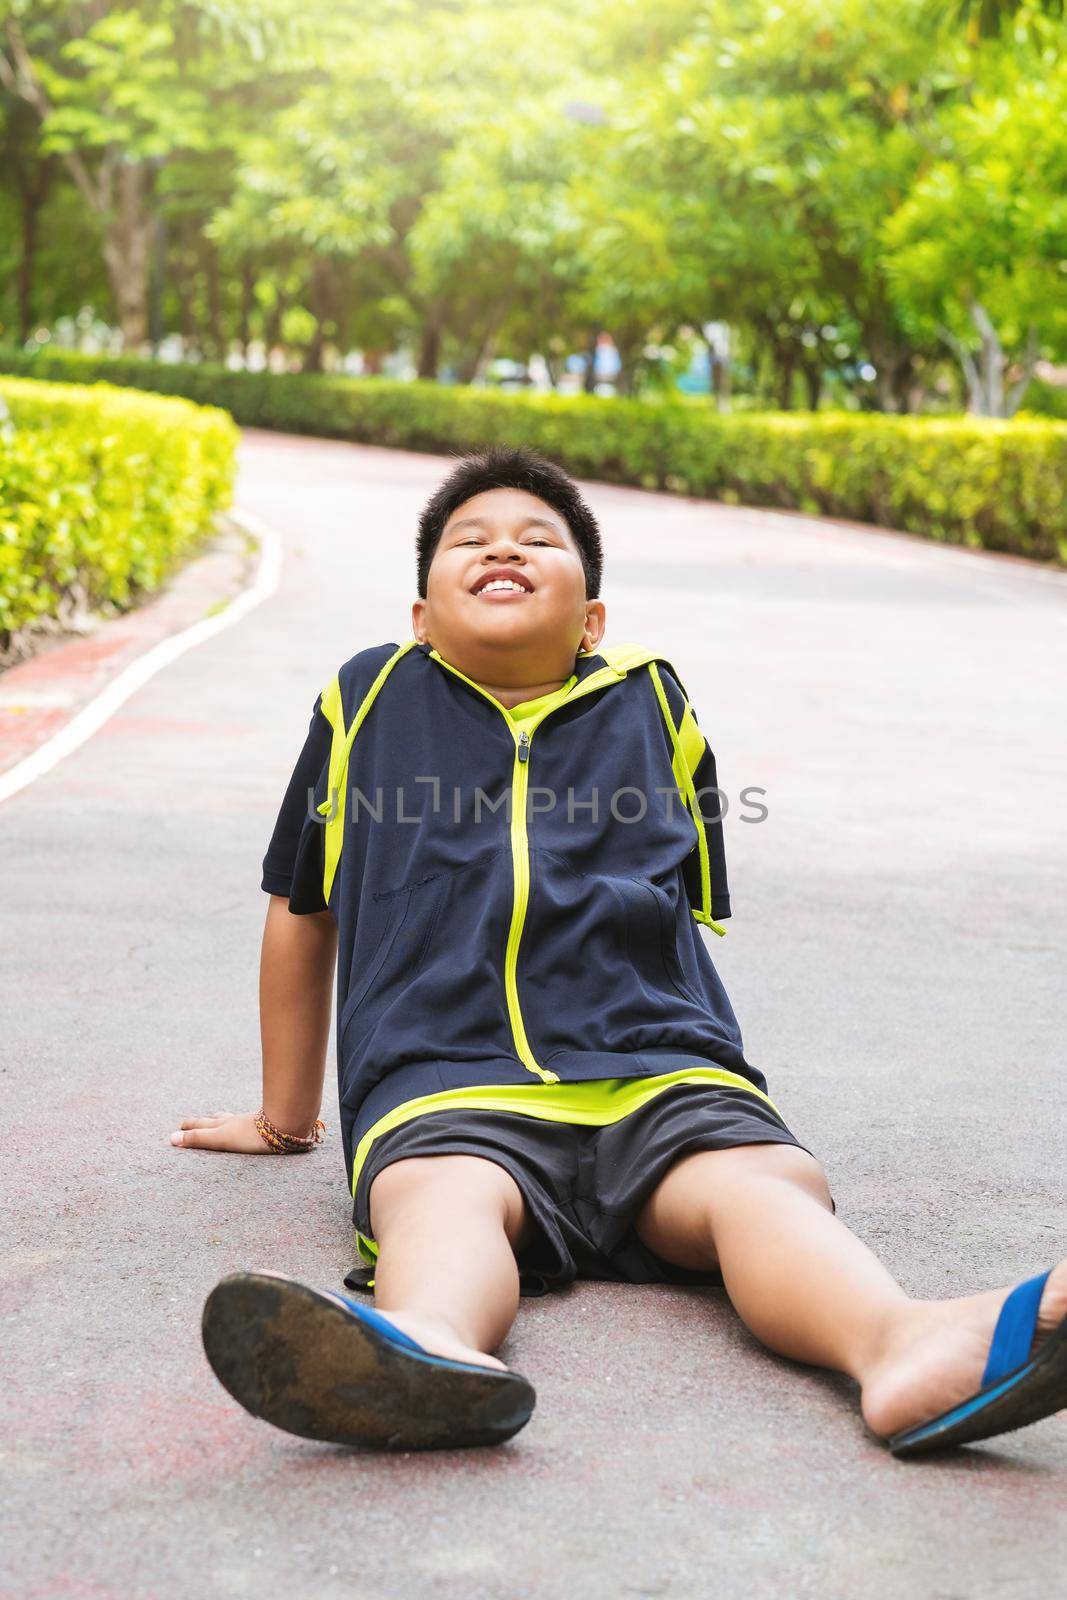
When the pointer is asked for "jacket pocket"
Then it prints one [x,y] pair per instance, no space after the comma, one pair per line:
[599,968]
[651,933]
[407,926]
[433,988]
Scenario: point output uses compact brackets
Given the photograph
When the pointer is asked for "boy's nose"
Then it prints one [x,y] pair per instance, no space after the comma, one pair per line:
[497,558]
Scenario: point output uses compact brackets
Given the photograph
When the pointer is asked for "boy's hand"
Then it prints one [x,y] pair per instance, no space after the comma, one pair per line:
[225,1131]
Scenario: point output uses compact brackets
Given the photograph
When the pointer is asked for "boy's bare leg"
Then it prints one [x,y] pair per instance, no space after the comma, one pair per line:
[809,1289]
[447,1228]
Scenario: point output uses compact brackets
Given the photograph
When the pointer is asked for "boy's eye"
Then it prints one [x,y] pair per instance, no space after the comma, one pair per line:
[475,540]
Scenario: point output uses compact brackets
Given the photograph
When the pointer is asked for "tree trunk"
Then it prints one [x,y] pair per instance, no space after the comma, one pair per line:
[1026,367]
[629,347]
[891,357]
[216,335]
[429,350]
[248,300]
[127,248]
[813,384]
[719,378]
[903,381]
[117,195]
[272,335]
[156,283]
[768,365]
[589,379]
[321,296]
[785,365]
[991,363]
[473,366]
[883,385]
[32,200]
[984,369]
[893,383]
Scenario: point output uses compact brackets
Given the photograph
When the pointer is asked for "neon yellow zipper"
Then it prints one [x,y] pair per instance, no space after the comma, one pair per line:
[520,859]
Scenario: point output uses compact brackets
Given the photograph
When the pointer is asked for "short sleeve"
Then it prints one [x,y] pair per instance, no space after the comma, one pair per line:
[701,766]
[293,864]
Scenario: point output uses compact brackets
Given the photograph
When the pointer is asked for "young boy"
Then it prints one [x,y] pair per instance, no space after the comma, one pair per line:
[502,832]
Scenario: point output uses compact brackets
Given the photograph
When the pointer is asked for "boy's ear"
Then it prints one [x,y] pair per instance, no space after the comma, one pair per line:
[595,624]
[418,619]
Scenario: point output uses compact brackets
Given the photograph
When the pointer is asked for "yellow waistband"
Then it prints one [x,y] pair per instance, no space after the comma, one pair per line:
[594,1103]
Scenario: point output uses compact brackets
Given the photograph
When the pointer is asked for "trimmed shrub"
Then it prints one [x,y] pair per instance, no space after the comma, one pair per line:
[102,492]
[963,480]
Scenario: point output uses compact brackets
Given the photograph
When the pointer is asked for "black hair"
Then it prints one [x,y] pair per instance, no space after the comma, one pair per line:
[506,467]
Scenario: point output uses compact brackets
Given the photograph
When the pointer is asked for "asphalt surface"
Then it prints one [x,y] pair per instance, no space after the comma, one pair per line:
[895,957]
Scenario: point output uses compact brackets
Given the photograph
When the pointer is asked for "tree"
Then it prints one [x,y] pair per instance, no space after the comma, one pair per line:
[978,251]
[121,90]
[400,170]
[989,19]
[774,141]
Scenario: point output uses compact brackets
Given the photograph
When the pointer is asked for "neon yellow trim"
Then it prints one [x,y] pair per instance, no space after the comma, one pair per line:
[684,778]
[520,856]
[691,739]
[529,712]
[333,711]
[594,1103]
[623,658]
[340,751]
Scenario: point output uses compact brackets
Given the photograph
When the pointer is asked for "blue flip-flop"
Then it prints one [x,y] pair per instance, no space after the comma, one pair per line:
[325,1367]
[1017,1388]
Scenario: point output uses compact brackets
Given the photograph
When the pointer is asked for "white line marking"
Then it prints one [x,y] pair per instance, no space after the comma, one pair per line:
[91,718]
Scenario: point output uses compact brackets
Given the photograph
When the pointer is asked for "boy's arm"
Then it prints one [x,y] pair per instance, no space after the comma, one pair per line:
[296,967]
[295,994]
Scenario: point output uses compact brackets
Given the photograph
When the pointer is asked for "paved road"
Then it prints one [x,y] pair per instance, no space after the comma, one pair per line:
[896,959]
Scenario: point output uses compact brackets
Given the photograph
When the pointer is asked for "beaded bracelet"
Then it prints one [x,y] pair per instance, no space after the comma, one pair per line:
[286,1144]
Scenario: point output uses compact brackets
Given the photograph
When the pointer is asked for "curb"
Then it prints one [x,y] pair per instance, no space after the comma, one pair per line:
[91,716]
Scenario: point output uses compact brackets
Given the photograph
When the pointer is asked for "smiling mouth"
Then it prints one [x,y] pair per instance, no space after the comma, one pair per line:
[502,586]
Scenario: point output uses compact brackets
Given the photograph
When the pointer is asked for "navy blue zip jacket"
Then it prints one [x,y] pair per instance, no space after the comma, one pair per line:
[512,907]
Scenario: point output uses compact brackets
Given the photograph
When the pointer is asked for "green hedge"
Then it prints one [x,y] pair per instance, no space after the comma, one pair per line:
[101,493]
[963,480]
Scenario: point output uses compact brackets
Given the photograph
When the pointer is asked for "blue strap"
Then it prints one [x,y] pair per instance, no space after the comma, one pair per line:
[1014,1332]
[389,1329]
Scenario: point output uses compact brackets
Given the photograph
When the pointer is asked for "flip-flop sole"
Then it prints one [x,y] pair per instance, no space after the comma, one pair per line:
[1038,1390]
[298,1360]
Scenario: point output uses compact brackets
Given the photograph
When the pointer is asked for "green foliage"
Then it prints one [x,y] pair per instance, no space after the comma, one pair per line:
[983,483]
[102,492]
[868,192]
[988,19]
[978,249]
[1043,400]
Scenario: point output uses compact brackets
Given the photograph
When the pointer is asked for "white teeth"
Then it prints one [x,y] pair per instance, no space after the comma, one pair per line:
[502,583]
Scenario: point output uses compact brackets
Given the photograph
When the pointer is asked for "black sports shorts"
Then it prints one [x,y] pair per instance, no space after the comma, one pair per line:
[583,1186]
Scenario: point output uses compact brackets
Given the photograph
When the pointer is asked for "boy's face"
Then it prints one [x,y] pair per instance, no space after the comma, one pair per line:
[505,594]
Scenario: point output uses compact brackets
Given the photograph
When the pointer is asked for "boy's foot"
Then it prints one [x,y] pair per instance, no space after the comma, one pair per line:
[327,1368]
[437,1339]
[936,1359]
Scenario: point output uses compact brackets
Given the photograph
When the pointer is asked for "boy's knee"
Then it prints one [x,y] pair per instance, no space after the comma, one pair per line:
[784,1161]
[443,1184]
[795,1165]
